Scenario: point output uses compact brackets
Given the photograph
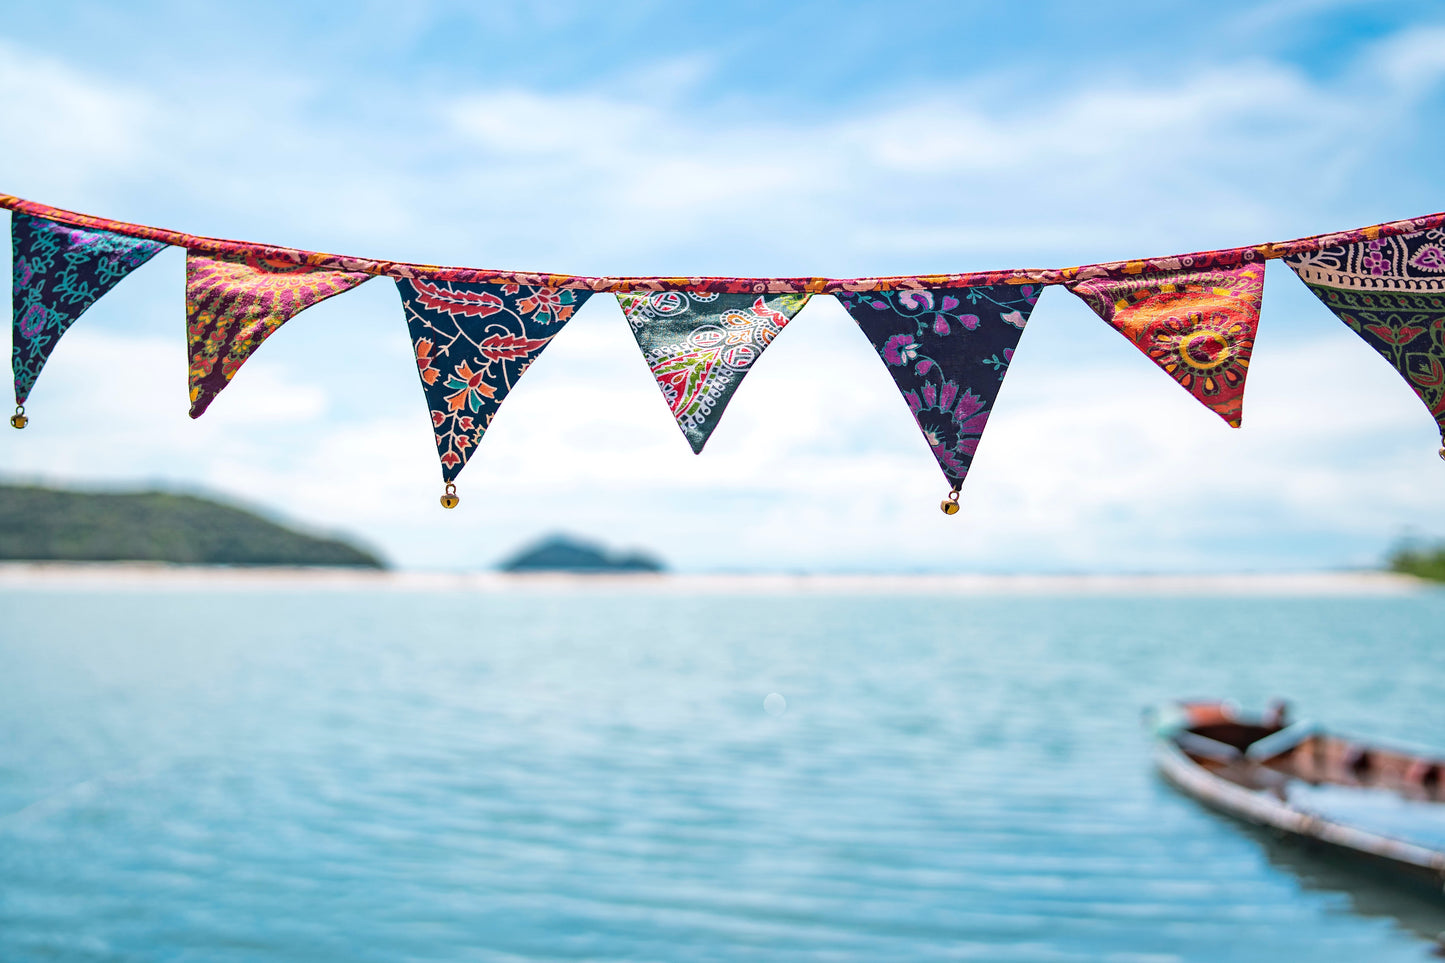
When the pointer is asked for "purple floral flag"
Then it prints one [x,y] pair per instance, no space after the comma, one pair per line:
[59,271]
[948,349]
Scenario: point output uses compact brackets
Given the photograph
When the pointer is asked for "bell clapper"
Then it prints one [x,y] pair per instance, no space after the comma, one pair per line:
[450,499]
[950,504]
[18,420]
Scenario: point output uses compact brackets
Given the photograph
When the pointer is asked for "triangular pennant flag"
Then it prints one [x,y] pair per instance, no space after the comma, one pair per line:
[1391,292]
[1197,325]
[699,346]
[948,349]
[59,271]
[473,341]
[233,303]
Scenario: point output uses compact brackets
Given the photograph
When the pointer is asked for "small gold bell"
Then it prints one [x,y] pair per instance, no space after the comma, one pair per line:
[450,499]
[950,504]
[1442,450]
[18,420]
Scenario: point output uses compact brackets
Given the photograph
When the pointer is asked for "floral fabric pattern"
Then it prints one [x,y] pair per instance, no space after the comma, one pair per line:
[473,341]
[948,351]
[699,346]
[1198,325]
[234,304]
[58,271]
[1391,292]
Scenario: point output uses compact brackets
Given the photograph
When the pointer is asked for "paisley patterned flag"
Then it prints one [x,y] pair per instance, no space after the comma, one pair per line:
[948,349]
[1391,292]
[59,271]
[235,303]
[1197,325]
[473,341]
[699,347]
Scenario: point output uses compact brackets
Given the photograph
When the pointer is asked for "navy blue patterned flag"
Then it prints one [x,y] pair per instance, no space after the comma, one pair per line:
[473,341]
[948,349]
[59,271]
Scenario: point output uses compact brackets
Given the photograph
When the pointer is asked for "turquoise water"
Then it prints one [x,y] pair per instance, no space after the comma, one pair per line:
[336,775]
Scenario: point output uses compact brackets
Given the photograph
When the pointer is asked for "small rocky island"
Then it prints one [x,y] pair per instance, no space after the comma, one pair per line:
[52,525]
[564,553]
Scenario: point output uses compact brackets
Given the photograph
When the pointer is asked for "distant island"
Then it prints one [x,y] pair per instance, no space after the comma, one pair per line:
[1420,562]
[51,525]
[563,553]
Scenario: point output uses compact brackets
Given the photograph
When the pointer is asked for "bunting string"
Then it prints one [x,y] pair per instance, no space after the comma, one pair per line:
[946,339]
[1226,258]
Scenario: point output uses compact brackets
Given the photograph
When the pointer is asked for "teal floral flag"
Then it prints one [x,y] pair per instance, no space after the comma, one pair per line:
[699,346]
[58,272]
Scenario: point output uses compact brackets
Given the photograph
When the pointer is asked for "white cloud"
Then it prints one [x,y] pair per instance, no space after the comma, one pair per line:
[66,128]
[1412,62]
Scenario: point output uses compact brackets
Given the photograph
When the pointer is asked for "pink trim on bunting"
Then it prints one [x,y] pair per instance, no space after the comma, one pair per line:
[1121,270]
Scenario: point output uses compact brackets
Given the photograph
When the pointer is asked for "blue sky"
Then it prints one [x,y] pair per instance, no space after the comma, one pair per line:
[754,139]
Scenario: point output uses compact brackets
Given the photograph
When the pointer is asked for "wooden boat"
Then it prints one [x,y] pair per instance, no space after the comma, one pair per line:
[1378,806]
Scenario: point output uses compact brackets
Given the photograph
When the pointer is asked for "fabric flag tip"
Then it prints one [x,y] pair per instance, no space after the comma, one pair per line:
[472,343]
[1197,325]
[1391,292]
[234,303]
[948,351]
[59,271]
[699,347]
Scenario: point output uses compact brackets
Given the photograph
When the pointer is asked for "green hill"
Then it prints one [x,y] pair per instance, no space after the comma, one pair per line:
[1420,562]
[45,524]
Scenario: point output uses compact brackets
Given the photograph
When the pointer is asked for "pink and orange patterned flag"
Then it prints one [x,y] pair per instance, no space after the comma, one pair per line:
[1197,325]
[235,303]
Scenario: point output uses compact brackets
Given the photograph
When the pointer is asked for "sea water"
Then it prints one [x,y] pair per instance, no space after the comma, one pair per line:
[603,774]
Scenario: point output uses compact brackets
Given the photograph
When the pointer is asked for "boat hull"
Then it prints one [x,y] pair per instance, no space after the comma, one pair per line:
[1221,785]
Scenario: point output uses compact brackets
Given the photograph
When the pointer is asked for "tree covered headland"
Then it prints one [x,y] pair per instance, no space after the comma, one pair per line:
[1420,562]
[50,525]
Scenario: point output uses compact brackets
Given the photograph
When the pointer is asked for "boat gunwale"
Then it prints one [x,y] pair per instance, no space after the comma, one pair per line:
[1261,809]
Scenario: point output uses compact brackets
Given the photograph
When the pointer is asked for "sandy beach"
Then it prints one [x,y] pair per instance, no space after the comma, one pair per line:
[142,576]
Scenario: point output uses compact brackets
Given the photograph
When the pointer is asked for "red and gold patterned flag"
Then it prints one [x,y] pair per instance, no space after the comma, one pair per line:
[1198,325]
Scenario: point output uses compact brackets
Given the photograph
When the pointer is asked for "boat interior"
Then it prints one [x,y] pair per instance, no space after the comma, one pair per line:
[1388,796]
[1270,753]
